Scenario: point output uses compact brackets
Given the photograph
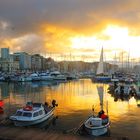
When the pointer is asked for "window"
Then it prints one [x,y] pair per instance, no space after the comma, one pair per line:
[19,113]
[40,112]
[36,105]
[35,114]
[26,114]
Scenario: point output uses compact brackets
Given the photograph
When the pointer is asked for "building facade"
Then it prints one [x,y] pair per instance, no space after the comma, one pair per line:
[24,60]
[5,53]
[36,62]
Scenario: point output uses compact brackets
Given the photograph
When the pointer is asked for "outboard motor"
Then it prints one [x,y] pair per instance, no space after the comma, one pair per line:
[54,103]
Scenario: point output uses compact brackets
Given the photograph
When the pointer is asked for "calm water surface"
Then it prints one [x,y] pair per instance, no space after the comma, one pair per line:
[75,100]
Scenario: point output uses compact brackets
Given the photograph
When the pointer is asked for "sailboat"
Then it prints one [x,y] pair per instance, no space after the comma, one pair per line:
[98,125]
[100,74]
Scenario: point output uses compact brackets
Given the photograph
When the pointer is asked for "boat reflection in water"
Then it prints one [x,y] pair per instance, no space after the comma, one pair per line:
[75,99]
[98,124]
[1,107]
[121,97]
[48,124]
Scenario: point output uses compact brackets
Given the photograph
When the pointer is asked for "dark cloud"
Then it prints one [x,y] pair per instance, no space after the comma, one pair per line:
[31,43]
[26,17]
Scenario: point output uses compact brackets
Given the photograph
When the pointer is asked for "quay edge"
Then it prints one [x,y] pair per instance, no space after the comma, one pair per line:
[20,133]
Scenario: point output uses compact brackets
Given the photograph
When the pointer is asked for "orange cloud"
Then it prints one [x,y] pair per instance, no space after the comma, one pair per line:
[48,26]
[56,38]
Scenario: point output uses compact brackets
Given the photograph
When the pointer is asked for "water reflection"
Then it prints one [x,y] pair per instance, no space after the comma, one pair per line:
[48,124]
[75,100]
[138,101]
[121,97]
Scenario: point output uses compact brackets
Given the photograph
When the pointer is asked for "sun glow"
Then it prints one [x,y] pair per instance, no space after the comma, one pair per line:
[112,38]
[116,32]
[122,40]
[119,37]
[83,42]
[112,35]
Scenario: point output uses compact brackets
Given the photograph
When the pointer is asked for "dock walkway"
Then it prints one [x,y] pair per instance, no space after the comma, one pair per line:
[15,133]
[10,132]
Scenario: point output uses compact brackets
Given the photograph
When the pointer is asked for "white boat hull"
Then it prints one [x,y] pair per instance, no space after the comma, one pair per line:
[46,78]
[96,130]
[59,78]
[32,122]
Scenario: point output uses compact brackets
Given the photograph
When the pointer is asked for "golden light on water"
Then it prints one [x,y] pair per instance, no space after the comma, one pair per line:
[72,97]
[75,100]
[80,96]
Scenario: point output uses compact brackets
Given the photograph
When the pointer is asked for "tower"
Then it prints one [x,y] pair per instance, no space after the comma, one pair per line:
[5,53]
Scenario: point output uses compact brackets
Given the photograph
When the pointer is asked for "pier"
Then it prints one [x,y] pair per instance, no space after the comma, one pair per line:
[9,132]
[15,133]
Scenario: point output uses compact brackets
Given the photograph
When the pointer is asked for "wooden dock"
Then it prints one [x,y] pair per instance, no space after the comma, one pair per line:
[10,132]
[14,133]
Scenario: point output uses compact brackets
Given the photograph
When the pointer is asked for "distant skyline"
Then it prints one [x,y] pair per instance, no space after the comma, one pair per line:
[71,27]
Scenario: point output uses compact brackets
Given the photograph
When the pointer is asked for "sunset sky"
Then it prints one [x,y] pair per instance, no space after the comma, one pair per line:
[77,28]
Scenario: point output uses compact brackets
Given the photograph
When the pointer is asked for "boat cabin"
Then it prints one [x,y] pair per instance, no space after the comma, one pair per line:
[35,110]
[29,114]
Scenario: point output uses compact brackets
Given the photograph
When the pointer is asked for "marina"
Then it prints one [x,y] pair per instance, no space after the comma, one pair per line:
[72,108]
[69,70]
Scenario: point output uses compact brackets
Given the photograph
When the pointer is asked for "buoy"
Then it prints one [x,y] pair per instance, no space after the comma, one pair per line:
[1,103]
[28,108]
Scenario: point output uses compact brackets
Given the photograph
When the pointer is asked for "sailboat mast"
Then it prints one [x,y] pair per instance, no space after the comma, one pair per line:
[122,60]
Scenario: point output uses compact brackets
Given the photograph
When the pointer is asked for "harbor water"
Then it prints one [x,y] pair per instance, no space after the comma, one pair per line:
[75,101]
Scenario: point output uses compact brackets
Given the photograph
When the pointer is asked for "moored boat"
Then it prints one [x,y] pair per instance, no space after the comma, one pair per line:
[46,77]
[35,77]
[125,89]
[101,75]
[33,113]
[58,76]
[97,125]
